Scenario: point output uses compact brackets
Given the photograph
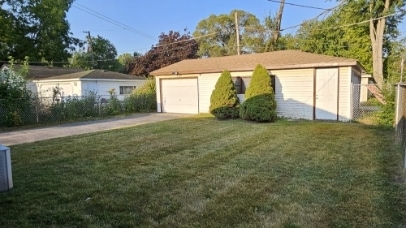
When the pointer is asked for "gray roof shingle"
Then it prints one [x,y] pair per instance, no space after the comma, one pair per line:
[96,74]
[286,59]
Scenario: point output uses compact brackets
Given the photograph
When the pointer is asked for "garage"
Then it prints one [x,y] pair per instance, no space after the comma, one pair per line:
[179,95]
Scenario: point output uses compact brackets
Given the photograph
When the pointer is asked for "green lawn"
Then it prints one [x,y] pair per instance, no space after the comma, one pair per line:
[200,172]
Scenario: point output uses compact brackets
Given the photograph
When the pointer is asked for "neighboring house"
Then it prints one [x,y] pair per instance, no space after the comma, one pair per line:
[40,72]
[307,86]
[90,81]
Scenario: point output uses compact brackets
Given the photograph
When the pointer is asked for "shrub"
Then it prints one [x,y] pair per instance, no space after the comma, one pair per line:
[142,99]
[15,103]
[259,104]
[386,116]
[224,102]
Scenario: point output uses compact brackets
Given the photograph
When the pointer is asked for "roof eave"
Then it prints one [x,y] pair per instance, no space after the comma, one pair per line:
[270,67]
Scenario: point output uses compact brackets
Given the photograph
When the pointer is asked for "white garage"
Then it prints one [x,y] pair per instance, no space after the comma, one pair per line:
[306,85]
[179,95]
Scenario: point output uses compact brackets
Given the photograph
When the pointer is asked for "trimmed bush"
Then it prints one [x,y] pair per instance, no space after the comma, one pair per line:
[259,104]
[224,102]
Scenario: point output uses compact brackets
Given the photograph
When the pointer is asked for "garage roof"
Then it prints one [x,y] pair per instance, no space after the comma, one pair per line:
[97,74]
[287,59]
[41,72]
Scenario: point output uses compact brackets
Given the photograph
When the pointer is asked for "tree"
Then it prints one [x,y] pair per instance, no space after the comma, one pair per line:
[217,34]
[125,60]
[223,100]
[171,48]
[383,20]
[34,28]
[259,104]
[274,23]
[101,55]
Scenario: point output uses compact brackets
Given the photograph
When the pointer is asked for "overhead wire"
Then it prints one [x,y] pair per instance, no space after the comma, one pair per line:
[110,20]
[298,5]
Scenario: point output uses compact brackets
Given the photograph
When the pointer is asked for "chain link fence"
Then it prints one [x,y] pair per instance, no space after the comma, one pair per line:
[42,110]
[364,103]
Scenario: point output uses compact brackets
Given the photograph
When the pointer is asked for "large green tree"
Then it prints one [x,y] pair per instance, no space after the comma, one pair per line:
[171,48]
[35,28]
[362,29]
[217,34]
[101,54]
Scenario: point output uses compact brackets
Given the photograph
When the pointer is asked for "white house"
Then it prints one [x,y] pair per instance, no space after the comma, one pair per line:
[90,81]
[307,86]
[40,72]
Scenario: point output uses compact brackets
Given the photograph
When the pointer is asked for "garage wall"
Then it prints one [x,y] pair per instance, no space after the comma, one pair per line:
[45,88]
[77,87]
[344,93]
[101,87]
[207,82]
[294,93]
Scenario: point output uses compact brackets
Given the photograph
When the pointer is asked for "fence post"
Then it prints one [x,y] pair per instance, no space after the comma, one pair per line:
[397,119]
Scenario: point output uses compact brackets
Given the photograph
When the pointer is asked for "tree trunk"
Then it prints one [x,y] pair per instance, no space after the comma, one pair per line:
[271,45]
[278,20]
[376,32]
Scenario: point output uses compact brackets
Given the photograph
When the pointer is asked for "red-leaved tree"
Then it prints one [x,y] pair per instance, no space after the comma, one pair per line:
[171,48]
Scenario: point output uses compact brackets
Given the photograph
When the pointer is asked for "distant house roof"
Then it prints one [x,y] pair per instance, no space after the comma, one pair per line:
[287,59]
[96,74]
[40,72]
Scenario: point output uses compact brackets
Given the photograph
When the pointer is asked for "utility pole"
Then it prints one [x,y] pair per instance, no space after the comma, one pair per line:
[90,46]
[237,33]
[401,69]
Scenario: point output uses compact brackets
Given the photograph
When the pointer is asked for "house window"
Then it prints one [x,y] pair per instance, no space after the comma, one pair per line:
[241,84]
[126,89]
[273,82]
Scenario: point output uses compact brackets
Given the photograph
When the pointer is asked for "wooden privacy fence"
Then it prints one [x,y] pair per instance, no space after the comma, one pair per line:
[400,116]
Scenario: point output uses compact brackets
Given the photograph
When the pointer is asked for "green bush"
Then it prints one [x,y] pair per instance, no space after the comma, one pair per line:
[259,104]
[261,108]
[15,99]
[142,99]
[224,102]
[386,116]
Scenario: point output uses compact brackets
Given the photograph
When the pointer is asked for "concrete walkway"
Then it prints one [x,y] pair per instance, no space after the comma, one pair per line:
[33,135]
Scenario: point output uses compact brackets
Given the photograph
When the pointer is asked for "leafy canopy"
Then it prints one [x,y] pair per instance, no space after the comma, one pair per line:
[101,55]
[217,34]
[171,48]
[34,28]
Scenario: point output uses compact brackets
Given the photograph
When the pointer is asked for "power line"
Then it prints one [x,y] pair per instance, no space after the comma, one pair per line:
[303,6]
[112,21]
[324,12]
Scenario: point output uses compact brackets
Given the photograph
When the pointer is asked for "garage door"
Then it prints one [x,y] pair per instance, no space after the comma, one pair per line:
[179,95]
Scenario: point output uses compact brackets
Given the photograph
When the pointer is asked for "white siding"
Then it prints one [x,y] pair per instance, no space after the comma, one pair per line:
[76,87]
[344,94]
[103,86]
[207,82]
[294,93]
[45,88]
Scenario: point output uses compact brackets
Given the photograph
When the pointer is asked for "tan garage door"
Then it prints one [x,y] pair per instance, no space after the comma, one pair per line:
[179,95]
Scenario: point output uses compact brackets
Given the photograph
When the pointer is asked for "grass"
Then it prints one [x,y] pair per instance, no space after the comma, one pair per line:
[200,172]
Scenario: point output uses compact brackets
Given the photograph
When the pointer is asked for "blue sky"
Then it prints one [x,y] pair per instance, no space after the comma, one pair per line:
[147,19]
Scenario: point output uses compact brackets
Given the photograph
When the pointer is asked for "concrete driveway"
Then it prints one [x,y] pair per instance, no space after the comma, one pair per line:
[33,135]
